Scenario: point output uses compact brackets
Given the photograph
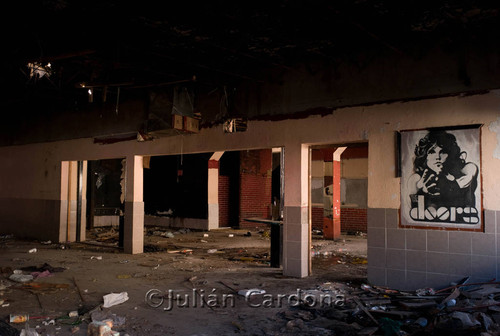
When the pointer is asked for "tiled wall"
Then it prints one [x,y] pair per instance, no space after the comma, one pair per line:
[416,258]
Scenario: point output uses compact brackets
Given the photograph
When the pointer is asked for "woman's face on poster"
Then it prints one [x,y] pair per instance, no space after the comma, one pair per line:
[436,158]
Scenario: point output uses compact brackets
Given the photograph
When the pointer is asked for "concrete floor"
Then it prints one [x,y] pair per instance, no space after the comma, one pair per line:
[240,262]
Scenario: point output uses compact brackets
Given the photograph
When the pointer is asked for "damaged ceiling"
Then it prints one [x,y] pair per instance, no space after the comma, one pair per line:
[110,43]
[142,44]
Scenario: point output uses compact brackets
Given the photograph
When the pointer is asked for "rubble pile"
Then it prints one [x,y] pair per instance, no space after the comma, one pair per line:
[461,309]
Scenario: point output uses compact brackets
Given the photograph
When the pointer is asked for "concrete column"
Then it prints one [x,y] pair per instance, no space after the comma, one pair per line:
[332,228]
[133,235]
[296,227]
[83,214]
[67,214]
[213,190]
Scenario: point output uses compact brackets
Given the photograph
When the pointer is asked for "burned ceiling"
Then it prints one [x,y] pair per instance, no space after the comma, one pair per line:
[136,45]
[146,44]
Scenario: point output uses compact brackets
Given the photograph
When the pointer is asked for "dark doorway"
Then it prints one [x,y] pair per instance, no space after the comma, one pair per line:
[229,189]
[177,185]
[104,192]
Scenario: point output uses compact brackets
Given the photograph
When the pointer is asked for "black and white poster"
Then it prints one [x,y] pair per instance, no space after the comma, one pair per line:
[440,178]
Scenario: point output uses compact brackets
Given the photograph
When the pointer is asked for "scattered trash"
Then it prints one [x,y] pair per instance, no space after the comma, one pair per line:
[212,251]
[96,257]
[124,276]
[230,235]
[43,274]
[457,310]
[43,268]
[33,250]
[49,322]
[425,291]
[166,234]
[27,331]
[205,235]
[185,251]
[421,321]
[101,328]
[451,303]
[248,234]
[114,299]
[18,318]
[73,313]
[48,242]
[203,241]
[99,315]
[21,277]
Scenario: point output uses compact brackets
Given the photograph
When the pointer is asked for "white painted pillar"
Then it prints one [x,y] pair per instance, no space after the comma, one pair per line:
[133,235]
[67,214]
[296,211]
[213,190]
[83,213]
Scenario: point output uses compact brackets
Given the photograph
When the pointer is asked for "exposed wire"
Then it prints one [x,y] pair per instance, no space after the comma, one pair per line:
[117,100]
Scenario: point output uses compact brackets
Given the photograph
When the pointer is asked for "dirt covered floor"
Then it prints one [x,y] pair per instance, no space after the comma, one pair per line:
[197,274]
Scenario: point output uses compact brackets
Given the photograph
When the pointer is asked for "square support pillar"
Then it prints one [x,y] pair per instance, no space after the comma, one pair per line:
[133,234]
[213,190]
[296,244]
[331,227]
[71,194]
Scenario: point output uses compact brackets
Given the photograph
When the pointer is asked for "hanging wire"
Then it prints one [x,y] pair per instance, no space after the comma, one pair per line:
[117,100]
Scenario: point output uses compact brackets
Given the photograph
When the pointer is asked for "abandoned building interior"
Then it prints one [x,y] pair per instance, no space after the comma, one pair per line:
[293,124]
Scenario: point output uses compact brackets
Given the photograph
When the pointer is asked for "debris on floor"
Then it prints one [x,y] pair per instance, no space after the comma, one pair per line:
[102,328]
[462,309]
[72,298]
[43,268]
[114,299]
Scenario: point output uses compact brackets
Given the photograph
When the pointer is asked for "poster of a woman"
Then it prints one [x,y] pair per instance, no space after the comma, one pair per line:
[440,179]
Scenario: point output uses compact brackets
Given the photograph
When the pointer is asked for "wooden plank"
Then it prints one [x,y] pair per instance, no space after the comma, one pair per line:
[364,309]
[418,305]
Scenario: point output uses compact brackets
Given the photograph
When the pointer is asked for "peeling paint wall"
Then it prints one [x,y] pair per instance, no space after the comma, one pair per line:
[32,172]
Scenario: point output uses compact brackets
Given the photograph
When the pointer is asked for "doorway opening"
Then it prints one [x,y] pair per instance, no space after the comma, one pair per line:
[338,204]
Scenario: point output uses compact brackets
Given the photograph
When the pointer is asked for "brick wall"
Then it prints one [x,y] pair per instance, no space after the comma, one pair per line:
[255,186]
[223,201]
[317,214]
[353,219]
